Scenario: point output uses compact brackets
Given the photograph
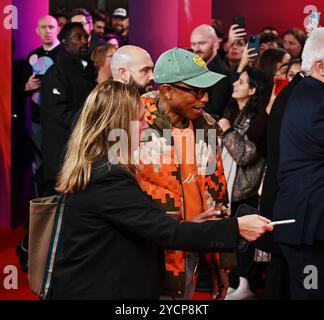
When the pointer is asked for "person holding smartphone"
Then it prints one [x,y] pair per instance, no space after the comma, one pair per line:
[47,30]
[236,32]
[235,53]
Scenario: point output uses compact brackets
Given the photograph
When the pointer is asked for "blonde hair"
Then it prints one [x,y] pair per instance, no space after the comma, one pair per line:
[98,56]
[111,105]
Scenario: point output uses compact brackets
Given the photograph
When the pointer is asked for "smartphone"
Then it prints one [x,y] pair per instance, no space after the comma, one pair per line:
[239,20]
[279,84]
[254,42]
[315,16]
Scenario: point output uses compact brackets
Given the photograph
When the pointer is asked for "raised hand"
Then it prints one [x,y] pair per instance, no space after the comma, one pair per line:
[248,58]
[233,35]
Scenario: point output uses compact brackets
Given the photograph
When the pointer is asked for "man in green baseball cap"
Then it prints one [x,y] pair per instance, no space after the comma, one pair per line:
[186,184]
[180,65]
[183,79]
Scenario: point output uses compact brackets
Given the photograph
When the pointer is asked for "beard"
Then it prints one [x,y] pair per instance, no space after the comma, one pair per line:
[142,88]
[83,52]
[119,29]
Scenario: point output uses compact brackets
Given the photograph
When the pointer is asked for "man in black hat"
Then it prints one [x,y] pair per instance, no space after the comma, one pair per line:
[120,25]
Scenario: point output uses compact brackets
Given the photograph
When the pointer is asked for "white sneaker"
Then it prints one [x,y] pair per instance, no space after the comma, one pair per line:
[230,290]
[243,292]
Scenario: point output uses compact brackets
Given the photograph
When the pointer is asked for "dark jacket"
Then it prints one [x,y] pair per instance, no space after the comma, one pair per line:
[113,236]
[270,183]
[28,71]
[301,166]
[220,93]
[64,89]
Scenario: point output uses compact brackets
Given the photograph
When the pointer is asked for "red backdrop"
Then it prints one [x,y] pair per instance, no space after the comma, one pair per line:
[279,13]
[161,25]
[5,116]
[192,13]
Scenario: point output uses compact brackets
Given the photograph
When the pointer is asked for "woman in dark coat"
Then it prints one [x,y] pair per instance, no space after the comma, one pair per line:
[113,234]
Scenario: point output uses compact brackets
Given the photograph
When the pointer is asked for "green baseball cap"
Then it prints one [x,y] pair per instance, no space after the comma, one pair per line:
[180,65]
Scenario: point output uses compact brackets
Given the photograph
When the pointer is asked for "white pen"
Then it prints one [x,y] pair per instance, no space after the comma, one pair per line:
[274,223]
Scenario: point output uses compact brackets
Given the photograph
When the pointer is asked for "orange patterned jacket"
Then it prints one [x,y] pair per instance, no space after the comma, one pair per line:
[161,179]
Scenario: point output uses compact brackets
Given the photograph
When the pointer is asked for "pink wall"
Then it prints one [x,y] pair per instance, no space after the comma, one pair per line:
[25,37]
[5,117]
[25,40]
[160,25]
[192,13]
[279,13]
[155,28]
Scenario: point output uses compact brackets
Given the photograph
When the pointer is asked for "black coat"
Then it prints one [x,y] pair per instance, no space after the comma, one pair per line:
[28,71]
[64,89]
[220,93]
[270,184]
[301,166]
[113,236]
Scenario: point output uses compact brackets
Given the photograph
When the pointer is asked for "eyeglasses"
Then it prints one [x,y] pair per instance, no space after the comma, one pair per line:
[198,92]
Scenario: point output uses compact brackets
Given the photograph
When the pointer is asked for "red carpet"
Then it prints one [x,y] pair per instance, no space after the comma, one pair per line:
[8,242]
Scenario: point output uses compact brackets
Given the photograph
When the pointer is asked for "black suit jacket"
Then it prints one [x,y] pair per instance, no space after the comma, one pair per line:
[270,184]
[301,166]
[113,236]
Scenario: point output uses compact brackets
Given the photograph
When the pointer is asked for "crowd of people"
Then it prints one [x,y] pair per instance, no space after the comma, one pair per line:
[155,180]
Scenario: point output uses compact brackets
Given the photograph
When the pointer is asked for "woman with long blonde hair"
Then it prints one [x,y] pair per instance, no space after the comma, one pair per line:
[110,106]
[113,234]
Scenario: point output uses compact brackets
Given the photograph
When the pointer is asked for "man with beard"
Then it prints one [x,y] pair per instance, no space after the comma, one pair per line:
[120,25]
[180,164]
[132,64]
[205,43]
[64,90]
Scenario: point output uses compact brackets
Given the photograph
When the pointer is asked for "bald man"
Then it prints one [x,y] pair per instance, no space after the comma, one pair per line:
[47,29]
[205,43]
[132,64]
[35,66]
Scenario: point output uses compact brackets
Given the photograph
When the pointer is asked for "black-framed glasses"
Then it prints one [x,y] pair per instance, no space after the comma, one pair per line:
[197,92]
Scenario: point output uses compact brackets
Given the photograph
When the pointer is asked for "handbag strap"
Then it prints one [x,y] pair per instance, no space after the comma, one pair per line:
[54,245]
